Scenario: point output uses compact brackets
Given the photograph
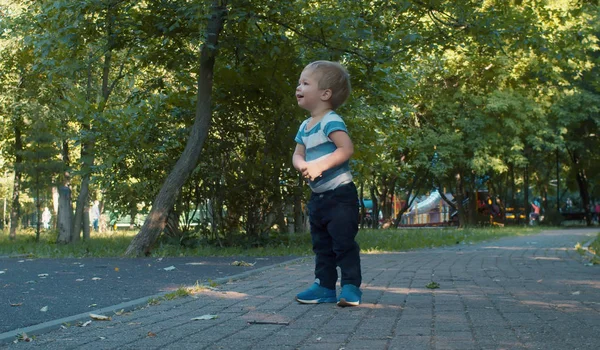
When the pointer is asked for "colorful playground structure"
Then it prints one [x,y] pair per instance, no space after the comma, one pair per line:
[430,211]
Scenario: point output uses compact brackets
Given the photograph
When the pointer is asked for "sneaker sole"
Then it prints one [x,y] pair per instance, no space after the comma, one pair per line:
[316,301]
[343,302]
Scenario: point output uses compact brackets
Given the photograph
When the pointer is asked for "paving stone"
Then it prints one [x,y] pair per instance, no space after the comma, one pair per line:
[506,294]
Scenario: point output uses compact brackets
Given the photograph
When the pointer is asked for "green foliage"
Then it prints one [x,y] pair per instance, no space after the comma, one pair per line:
[595,246]
[440,89]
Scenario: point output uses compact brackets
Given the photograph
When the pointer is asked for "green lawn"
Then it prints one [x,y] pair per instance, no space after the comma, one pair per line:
[371,241]
[595,246]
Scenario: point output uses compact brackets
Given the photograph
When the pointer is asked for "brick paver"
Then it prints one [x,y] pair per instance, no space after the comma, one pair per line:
[533,292]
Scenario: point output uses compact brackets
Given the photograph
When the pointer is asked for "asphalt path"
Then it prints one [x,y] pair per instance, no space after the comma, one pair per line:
[33,291]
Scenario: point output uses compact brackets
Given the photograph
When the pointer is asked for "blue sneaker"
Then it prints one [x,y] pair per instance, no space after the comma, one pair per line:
[350,295]
[316,294]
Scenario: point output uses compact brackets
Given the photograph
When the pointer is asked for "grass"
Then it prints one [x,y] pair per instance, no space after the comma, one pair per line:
[371,241]
[595,246]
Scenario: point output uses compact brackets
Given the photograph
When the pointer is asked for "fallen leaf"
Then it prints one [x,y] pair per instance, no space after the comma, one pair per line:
[1,272]
[319,338]
[119,313]
[44,309]
[576,293]
[92,305]
[100,317]
[22,337]
[116,269]
[170,268]
[102,338]
[86,323]
[42,275]
[205,317]
[150,334]
[30,282]
[79,280]
[433,285]
[16,304]
[96,279]
[539,281]
[241,263]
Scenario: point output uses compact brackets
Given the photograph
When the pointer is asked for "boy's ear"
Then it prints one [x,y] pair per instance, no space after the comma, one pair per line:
[326,95]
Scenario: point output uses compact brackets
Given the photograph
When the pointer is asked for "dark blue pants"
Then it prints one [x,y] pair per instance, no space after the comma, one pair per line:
[333,228]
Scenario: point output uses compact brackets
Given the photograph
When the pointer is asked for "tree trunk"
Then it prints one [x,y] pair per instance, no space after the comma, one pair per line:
[526,194]
[38,224]
[513,203]
[472,206]
[582,183]
[54,205]
[82,209]
[16,205]
[361,200]
[462,215]
[132,215]
[65,215]
[88,147]
[375,210]
[409,201]
[155,222]
[64,207]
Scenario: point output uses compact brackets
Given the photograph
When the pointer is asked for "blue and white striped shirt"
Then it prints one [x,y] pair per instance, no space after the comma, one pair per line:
[319,145]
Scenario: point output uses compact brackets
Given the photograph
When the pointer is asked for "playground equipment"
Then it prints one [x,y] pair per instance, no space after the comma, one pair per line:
[431,211]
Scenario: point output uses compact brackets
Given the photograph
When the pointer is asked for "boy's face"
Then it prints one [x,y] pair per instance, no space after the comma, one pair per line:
[308,94]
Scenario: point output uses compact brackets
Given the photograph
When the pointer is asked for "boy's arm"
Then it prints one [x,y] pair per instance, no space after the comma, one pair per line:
[299,158]
[344,151]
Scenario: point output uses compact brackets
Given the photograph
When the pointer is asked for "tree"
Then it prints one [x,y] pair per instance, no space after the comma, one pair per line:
[39,164]
[156,219]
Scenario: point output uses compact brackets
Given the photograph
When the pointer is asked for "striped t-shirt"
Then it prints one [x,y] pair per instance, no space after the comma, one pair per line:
[318,145]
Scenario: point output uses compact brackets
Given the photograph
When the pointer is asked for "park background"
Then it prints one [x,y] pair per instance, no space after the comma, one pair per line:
[169,108]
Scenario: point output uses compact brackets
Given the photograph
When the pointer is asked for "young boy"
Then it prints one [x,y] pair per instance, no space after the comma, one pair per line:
[321,155]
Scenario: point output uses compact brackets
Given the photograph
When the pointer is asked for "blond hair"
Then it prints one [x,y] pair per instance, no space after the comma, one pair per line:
[333,76]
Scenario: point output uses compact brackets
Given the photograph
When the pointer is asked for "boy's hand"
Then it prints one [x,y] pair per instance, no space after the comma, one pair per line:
[311,171]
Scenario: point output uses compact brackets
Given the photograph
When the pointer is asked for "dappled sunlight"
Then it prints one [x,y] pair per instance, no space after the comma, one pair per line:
[378,306]
[547,258]
[408,291]
[562,306]
[221,294]
[587,283]
[369,251]
[529,247]
[170,288]
[197,290]
[266,318]
[540,304]
[507,248]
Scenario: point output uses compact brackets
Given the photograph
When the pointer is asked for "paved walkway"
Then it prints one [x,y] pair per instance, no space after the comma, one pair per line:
[94,284]
[531,292]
